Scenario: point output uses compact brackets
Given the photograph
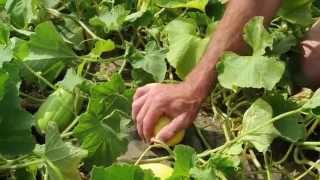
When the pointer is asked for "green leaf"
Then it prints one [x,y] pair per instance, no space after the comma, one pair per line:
[15,123]
[234,149]
[46,44]
[258,114]
[257,36]
[28,173]
[249,71]
[72,32]
[105,139]
[121,172]
[314,102]
[2,3]
[198,173]
[6,53]
[197,4]
[297,11]
[6,45]
[4,77]
[141,77]
[62,159]
[292,128]
[152,61]
[185,47]
[71,80]
[111,20]
[20,12]
[4,34]
[185,159]
[225,165]
[219,166]
[48,53]
[51,3]
[102,46]
[103,128]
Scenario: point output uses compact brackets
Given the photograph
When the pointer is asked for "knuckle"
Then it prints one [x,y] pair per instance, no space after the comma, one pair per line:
[139,90]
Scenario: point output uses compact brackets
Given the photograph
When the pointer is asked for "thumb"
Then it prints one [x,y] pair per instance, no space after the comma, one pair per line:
[176,125]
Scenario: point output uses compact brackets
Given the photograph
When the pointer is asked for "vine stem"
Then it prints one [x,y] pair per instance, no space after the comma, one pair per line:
[71,125]
[145,152]
[313,127]
[85,27]
[237,139]
[31,97]
[310,143]
[267,166]
[307,171]
[39,76]
[229,143]
[122,66]
[203,139]
[285,157]
[254,159]
[163,145]
[19,166]
[65,135]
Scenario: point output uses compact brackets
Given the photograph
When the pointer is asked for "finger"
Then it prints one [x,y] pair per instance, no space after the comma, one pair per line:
[140,118]
[176,125]
[142,90]
[150,120]
[137,105]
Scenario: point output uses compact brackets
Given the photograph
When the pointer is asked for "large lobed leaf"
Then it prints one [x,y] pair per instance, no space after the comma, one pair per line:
[62,159]
[249,71]
[152,61]
[185,160]
[256,71]
[219,166]
[20,12]
[47,52]
[297,11]
[185,47]
[15,123]
[103,128]
[111,19]
[291,128]
[257,36]
[258,114]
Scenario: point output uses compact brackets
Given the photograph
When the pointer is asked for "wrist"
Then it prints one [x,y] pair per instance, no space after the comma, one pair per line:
[200,84]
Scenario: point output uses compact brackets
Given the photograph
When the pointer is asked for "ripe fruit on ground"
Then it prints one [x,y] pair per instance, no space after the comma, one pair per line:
[159,170]
[162,123]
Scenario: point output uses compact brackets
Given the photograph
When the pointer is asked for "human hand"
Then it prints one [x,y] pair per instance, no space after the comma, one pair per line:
[176,101]
[311,56]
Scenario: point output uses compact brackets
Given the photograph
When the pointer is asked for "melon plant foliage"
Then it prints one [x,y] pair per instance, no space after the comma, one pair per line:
[100,51]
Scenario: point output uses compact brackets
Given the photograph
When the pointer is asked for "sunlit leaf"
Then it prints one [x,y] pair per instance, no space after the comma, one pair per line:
[257,115]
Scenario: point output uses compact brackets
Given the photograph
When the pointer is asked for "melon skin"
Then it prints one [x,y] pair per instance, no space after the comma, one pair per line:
[163,121]
[159,170]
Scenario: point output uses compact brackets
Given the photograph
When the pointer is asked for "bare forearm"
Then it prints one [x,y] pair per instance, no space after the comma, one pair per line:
[228,37]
